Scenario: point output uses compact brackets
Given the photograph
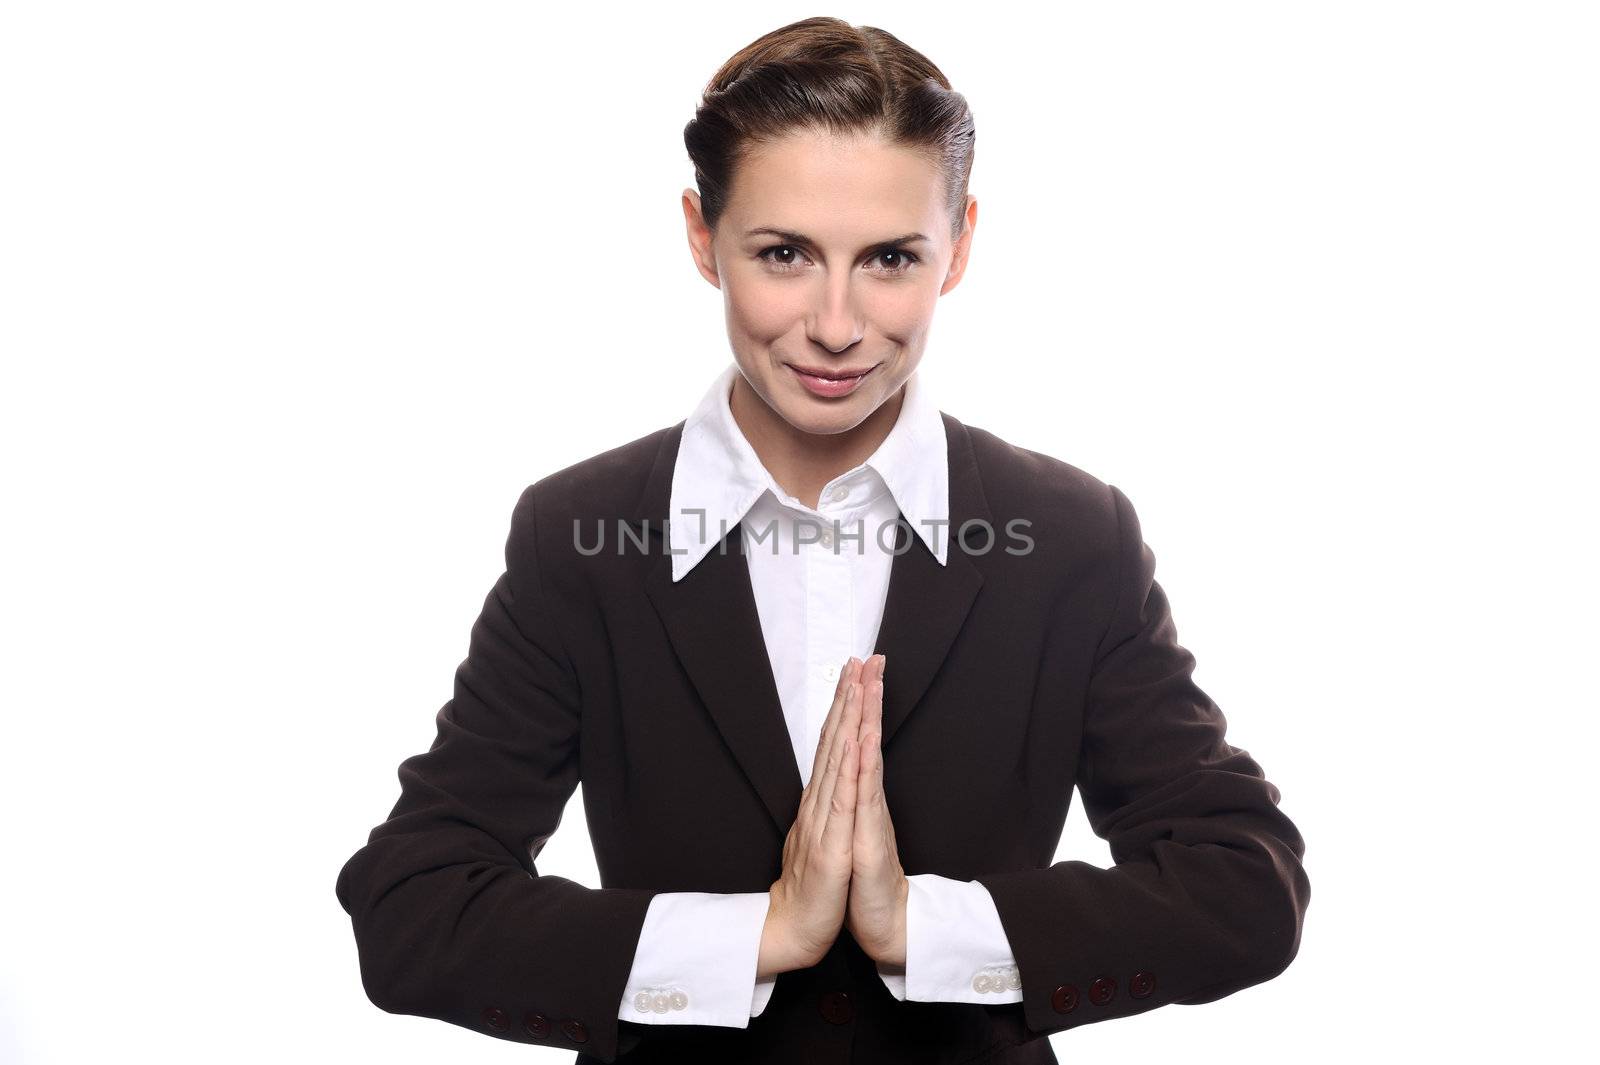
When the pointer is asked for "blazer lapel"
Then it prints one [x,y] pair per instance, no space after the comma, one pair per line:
[710,617]
[927,604]
[711,620]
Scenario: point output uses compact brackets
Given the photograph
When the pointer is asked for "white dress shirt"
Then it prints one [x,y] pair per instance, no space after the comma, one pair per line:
[819,577]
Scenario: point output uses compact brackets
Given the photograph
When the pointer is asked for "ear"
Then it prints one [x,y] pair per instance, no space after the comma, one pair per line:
[700,238]
[963,246]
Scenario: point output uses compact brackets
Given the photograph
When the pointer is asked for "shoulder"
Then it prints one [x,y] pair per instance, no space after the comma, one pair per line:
[610,482]
[1019,481]
[606,486]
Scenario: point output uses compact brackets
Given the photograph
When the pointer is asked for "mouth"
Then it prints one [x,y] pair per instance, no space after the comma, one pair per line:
[830,375]
[829,384]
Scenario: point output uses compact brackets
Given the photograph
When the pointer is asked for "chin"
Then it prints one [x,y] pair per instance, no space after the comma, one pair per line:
[837,418]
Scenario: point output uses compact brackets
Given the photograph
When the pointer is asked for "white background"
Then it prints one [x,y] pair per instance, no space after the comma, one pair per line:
[297,297]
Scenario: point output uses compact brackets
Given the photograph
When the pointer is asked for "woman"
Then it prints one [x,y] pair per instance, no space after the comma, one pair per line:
[776,597]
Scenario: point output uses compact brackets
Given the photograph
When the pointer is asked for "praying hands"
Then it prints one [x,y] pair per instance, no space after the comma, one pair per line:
[841,867]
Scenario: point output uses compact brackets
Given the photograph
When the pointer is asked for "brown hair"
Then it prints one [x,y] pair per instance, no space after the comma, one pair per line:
[827,75]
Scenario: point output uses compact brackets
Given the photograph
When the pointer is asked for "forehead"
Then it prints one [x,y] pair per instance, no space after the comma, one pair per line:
[822,183]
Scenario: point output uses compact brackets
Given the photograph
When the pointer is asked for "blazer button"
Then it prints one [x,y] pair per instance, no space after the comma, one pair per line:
[536,1023]
[836,1008]
[1064,999]
[1142,984]
[496,1018]
[575,1031]
[1102,990]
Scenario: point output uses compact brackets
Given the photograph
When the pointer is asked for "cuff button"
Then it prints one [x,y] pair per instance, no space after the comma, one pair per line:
[1103,990]
[575,1031]
[1064,999]
[496,1018]
[1142,984]
[536,1023]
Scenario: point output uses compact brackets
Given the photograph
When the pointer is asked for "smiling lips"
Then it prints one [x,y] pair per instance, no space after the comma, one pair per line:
[830,384]
[831,375]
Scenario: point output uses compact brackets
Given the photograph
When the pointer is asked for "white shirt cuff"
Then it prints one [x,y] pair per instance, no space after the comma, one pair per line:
[696,960]
[956,947]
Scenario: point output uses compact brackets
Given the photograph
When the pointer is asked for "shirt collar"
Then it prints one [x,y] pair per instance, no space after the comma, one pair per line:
[718,472]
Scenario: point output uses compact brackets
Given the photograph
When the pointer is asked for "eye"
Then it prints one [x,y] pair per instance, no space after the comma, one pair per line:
[903,258]
[783,265]
[784,257]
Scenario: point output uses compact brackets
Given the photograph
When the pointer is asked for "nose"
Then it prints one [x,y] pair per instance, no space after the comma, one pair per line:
[835,321]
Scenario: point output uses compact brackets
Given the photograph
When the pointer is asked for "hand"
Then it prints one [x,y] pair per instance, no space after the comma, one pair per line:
[807,904]
[876,911]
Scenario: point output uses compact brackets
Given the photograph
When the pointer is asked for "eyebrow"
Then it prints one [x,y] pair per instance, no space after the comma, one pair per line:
[802,239]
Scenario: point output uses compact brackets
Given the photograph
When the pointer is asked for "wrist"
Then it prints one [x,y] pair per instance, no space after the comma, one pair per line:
[778,953]
[895,955]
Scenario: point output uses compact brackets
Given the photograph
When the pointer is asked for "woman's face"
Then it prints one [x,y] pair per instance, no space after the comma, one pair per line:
[830,255]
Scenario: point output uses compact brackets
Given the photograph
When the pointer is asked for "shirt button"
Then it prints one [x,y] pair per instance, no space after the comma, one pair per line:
[831,672]
[827,538]
[836,1008]
[840,493]
[980,983]
[680,1000]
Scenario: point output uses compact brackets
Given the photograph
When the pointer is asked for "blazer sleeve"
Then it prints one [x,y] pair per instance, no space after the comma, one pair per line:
[452,919]
[1207,894]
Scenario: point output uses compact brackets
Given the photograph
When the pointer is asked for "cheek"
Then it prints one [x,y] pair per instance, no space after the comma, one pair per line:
[902,310]
[763,307]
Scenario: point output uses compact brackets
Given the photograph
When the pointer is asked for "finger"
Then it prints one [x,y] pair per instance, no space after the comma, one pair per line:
[850,672]
[870,802]
[839,826]
[835,757]
[870,798]
[872,738]
[871,668]
[830,725]
[874,707]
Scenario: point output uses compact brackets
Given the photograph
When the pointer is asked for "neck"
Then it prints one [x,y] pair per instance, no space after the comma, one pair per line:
[801,462]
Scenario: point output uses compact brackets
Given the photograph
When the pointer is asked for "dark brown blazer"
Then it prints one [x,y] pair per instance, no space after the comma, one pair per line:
[1012,676]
